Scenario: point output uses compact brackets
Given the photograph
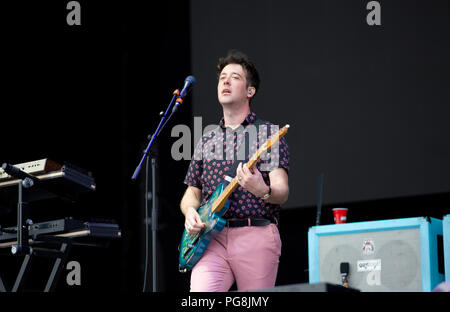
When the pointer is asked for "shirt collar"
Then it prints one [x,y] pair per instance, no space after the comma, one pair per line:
[250,119]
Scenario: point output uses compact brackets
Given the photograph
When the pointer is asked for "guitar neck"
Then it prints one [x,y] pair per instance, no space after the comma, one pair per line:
[220,202]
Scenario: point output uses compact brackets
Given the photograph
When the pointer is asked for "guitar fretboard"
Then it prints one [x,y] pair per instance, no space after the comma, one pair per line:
[220,202]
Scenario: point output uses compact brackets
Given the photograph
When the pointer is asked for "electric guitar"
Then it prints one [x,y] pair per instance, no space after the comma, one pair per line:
[193,246]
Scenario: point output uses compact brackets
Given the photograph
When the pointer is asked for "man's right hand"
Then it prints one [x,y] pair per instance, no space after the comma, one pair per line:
[193,223]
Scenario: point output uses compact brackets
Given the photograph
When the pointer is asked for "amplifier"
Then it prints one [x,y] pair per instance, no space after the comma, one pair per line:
[386,255]
[446,230]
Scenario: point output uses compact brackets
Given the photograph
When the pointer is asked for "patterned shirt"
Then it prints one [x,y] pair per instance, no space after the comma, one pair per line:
[218,150]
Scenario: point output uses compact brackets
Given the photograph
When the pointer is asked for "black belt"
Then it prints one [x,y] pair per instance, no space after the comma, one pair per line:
[248,222]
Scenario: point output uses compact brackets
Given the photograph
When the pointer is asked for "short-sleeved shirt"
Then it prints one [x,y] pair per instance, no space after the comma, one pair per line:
[216,155]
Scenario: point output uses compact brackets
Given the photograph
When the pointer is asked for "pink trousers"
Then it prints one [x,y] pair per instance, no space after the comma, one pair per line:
[248,255]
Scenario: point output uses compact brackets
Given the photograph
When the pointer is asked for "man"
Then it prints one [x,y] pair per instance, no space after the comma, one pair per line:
[247,250]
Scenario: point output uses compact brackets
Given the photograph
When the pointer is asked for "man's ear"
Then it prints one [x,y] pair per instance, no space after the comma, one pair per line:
[251,91]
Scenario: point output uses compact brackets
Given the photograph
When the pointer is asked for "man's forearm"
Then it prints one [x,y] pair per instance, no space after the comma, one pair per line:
[280,186]
[190,200]
[278,195]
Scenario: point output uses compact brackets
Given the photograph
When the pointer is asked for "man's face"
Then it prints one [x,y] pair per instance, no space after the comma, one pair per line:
[232,86]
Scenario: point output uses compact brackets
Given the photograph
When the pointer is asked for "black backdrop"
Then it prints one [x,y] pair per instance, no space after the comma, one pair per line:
[90,95]
[367,105]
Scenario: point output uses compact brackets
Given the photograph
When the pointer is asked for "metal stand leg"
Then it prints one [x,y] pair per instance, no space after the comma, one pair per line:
[57,268]
[2,286]
[60,255]
[23,273]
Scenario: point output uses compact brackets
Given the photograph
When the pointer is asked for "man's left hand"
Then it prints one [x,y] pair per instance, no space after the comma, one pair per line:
[251,180]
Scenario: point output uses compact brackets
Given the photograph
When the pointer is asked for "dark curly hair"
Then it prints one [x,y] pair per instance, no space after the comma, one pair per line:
[237,57]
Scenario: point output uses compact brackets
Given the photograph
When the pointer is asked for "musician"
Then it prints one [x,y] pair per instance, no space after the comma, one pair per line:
[247,250]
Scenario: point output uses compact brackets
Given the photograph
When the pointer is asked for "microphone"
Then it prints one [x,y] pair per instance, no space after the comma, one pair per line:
[345,268]
[188,83]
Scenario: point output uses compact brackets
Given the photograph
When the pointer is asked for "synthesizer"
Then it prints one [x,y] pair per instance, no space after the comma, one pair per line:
[67,227]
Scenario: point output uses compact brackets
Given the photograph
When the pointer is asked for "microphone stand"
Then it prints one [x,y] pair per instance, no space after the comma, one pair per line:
[319,198]
[154,215]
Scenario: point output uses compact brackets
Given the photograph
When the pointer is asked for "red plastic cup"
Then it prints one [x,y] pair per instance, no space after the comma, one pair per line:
[340,215]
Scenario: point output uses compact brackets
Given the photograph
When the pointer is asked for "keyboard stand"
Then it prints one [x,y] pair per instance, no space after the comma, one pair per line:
[66,183]
[59,254]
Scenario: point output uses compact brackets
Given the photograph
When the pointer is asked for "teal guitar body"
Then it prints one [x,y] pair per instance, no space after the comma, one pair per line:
[193,246]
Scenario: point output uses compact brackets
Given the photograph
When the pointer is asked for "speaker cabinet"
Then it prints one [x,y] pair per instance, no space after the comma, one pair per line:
[387,255]
[446,231]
